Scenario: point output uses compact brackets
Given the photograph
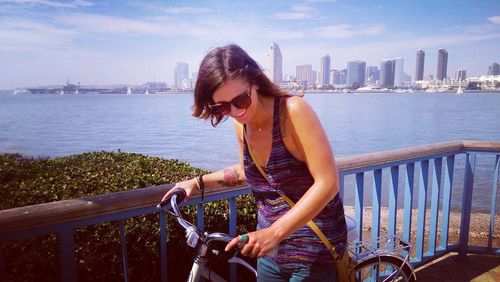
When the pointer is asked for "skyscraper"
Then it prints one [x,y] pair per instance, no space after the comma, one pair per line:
[324,72]
[398,72]
[372,75]
[275,63]
[387,68]
[419,66]
[304,75]
[494,69]
[356,74]
[442,64]
[181,73]
[461,74]
[338,77]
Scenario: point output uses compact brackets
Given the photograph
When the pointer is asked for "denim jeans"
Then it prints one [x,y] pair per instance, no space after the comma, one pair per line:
[269,271]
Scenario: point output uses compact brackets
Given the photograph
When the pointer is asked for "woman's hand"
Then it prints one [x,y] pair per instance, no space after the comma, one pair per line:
[189,186]
[258,244]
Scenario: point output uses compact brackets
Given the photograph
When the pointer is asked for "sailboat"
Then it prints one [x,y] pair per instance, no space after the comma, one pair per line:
[460,90]
[129,91]
[146,92]
[61,92]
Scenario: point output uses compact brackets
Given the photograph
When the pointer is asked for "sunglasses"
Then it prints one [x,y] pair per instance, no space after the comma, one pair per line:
[241,101]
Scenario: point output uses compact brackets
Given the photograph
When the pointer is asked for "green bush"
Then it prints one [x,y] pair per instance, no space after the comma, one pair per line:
[27,181]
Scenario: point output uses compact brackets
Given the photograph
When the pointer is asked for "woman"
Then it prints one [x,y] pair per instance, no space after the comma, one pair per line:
[289,143]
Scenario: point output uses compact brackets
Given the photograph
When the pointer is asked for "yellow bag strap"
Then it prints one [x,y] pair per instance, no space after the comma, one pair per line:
[311,224]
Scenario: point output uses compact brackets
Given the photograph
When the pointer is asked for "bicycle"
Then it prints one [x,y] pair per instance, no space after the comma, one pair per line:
[390,262]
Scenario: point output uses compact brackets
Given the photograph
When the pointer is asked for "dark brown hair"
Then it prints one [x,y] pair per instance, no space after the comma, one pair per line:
[220,65]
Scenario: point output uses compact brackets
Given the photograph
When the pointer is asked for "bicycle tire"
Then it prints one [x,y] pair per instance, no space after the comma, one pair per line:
[364,269]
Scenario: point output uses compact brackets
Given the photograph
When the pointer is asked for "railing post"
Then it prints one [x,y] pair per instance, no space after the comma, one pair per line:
[436,191]
[408,201]
[232,232]
[341,186]
[67,255]
[493,202]
[376,205]
[200,216]
[393,199]
[123,243]
[163,246]
[470,164]
[422,201]
[358,203]
[448,184]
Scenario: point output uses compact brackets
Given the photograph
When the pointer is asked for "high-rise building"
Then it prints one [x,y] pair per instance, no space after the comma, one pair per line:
[494,69]
[442,65]
[356,74]
[419,66]
[387,68]
[372,73]
[460,74]
[324,71]
[304,75]
[275,63]
[398,72]
[181,73]
[339,77]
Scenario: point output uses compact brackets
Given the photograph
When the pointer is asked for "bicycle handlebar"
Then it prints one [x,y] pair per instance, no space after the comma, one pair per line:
[176,197]
[193,235]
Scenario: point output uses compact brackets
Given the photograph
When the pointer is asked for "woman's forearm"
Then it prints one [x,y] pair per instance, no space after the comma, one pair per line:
[227,177]
[308,207]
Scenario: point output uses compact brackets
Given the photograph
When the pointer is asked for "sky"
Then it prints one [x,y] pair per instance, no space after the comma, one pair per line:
[47,42]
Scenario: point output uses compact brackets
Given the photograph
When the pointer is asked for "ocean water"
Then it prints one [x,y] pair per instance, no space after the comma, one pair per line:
[162,125]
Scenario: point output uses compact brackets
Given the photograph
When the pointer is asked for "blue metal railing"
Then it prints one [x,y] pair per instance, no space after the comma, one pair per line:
[434,166]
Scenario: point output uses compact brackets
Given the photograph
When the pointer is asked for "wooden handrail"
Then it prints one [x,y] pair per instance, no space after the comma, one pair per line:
[383,157]
[48,214]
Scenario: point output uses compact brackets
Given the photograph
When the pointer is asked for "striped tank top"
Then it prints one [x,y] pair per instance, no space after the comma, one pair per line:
[302,249]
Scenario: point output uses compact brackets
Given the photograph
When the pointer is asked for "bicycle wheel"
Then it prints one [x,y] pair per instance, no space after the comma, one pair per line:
[383,268]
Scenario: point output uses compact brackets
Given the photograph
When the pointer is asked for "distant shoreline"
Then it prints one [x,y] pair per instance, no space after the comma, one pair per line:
[479,222]
[57,91]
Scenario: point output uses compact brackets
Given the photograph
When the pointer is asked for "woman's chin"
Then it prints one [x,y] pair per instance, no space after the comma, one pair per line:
[242,118]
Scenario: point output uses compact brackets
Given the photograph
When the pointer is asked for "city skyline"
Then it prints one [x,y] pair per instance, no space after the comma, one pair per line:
[46,42]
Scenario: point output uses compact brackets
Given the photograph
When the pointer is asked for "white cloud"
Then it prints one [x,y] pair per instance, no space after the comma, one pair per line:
[298,12]
[284,35]
[186,10]
[21,33]
[495,19]
[94,23]
[161,26]
[51,3]
[348,31]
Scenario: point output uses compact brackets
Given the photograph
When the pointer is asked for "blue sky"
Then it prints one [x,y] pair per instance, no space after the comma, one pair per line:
[46,42]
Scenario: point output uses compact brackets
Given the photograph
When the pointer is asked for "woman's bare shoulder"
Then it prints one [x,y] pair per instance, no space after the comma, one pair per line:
[297,107]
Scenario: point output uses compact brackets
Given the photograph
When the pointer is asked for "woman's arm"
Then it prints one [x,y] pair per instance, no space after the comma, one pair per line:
[315,149]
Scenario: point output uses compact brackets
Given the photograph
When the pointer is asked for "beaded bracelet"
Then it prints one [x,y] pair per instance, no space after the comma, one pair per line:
[201,185]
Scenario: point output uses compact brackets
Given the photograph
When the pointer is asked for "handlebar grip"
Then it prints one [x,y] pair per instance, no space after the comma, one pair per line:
[180,195]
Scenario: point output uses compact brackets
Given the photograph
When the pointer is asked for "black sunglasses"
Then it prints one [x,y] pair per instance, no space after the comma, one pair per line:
[241,101]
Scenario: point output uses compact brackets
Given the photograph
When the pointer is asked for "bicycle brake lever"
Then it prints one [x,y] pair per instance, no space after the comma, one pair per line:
[244,263]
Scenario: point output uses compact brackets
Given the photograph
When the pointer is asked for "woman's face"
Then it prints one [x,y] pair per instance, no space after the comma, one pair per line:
[237,88]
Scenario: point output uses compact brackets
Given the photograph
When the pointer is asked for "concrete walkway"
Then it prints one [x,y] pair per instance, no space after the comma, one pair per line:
[478,268]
